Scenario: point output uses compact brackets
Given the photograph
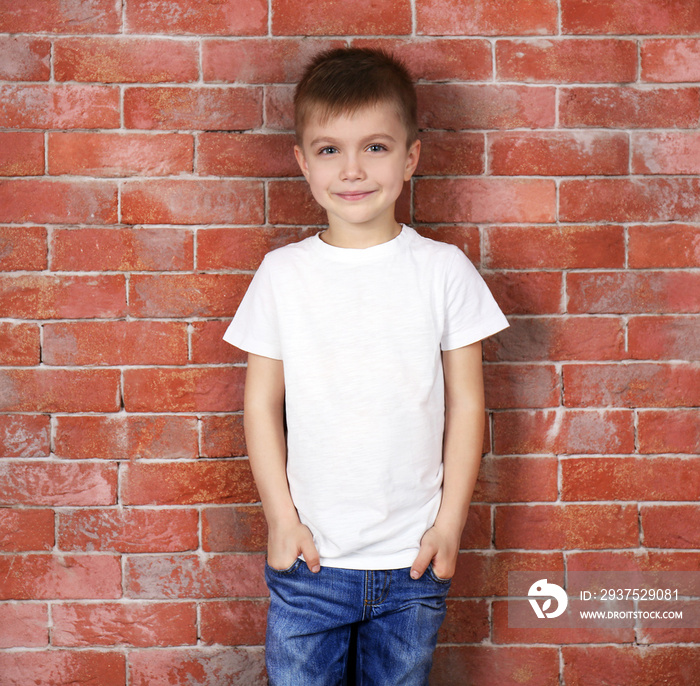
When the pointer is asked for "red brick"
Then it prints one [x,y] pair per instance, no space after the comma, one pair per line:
[206,108]
[433,59]
[24,435]
[208,346]
[477,531]
[447,153]
[19,344]
[633,560]
[486,17]
[485,200]
[241,248]
[489,106]
[506,479]
[566,60]
[630,478]
[186,295]
[42,576]
[467,621]
[121,249]
[26,530]
[58,202]
[113,154]
[59,16]
[465,237]
[128,530]
[521,385]
[192,201]
[291,202]
[184,390]
[224,17]
[632,385]
[59,390]
[22,248]
[563,527]
[187,483]
[24,58]
[630,665]
[564,432]
[671,60]
[234,622]
[363,17]
[238,154]
[59,484]
[664,338]
[669,431]
[48,296]
[633,292]
[279,108]
[639,16]
[630,200]
[63,667]
[260,60]
[558,153]
[211,667]
[21,154]
[557,338]
[125,60]
[670,152]
[116,624]
[671,526]
[527,292]
[239,529]
[489,665]
[192,576]
[666,245]
[222,436]
[629,107]
[115,343]
[59,106]
[24,625]
[126,437]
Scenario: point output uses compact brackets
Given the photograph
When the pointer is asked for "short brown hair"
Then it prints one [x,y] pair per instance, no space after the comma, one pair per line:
[343,80]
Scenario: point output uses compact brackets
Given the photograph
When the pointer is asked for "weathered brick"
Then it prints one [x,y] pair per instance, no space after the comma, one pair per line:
[465,237]
[671,60]
[125,60]
[24,435]
[566,60]
[122,249]
[291,202]
[126,437]
[664,338]
[113,154]
[222,436]
[128,530]
[506,479]
[446,153]
[59,484]
[664,245]
[630,478]
[521,385]
[24,58]
[22,248]
[208,346]
[633,561]
[279,108]
[527,292]
[234,529]
[19,344]
[59,16]
[669,431]
[132,624]
[486,17]
[21,153]
[234,622]
[563,432]
[24,625]
[204,108]
[114,343]
[24,529]
[670,152]
[63,667]
[558,153]
[477,533]
[238,154]
[467,621]
[187,483]
[671,526]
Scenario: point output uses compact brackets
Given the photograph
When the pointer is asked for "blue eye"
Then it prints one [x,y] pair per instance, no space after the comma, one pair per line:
[328,150]
[376,147]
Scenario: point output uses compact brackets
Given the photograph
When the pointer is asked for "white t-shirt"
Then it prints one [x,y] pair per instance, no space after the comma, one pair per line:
[360,333]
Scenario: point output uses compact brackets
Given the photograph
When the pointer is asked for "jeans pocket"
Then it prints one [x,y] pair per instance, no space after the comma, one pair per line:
[289,570]
[437,579]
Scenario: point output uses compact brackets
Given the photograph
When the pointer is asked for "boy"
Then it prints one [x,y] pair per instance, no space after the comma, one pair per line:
[364,402]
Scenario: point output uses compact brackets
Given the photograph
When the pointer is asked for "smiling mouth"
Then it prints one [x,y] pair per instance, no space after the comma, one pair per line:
[354,195]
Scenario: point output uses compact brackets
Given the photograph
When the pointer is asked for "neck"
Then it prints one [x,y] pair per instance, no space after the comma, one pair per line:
[359,237]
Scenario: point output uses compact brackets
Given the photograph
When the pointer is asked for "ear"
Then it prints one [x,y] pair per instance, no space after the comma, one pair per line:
[412,158]
[301,161]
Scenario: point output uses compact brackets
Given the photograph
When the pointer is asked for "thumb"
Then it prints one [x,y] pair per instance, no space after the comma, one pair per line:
[308,550]
[423,559]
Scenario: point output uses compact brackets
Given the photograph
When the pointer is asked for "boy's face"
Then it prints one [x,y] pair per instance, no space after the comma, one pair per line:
[356,165]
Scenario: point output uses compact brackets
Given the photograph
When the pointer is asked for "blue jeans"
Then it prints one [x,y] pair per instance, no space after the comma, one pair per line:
[378,628]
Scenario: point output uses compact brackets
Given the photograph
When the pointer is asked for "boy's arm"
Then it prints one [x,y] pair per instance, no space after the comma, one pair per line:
[263,421]
[464,435]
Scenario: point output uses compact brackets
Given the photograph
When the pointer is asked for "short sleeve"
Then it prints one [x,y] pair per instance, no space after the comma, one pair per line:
[471,313]
[255,327]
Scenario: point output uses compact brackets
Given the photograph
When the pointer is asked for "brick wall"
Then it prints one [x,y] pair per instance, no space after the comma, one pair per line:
[147,167]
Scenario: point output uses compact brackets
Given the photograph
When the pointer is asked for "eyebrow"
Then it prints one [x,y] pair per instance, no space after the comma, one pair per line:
[366,139]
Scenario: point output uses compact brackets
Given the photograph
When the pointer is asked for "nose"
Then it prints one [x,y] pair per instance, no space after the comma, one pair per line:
[352,169]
